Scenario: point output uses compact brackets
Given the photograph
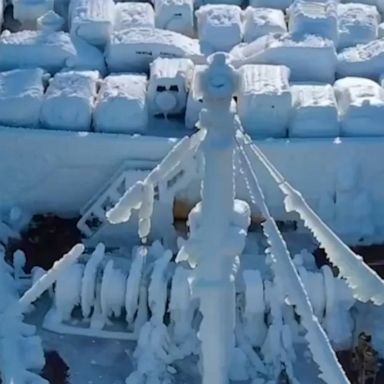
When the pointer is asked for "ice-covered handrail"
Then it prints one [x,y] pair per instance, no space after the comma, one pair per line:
[364,282]
[284,269]
[133,198]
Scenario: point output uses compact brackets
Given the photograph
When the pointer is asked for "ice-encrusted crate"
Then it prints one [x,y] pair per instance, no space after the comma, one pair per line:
[168,85]
[133,14]
[264,102]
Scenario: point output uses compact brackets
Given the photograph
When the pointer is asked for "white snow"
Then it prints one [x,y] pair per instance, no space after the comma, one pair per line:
[358,24]
[69,100]
[265,89]
[121,104]
[92,20]
[314,18]
[262,21]
[168,85]
[280,49]
[175,15]
[132,15]
[51,51]
[219,27]
[277,4]
[365,60]
[361,106]
[28,11]
[315,112]
[135,48]
[21,90]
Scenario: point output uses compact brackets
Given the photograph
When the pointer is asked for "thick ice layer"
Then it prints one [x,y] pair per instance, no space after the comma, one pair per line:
[283,50]
[262,21]
[92,20]
[379,4]
[361,106]
[21,94]
[168,85]
[175,15]
[358,24]
[365,60]
[134,49]
[121,104]
[28,11]
[315,18]
[132,15]
[50,21]
[265,89]
[277,4]
[51,51]
[219,27]
[314,111]
[69,101]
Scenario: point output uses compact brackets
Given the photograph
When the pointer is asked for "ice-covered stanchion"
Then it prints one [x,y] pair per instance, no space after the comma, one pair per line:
[175,15]
[29,11]
[168,85]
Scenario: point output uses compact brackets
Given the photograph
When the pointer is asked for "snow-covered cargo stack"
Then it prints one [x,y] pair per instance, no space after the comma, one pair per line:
[264,102]
[92,20]
[168,85]
[220,27]
[311,59]
[314,18]
[28,11]
[132,50]
[69,100]
[21,95]
[51,51]
[315,112]
[262,21]
[364,60]
[361,107]
[175,15]
[121,105]
[358,24]
[133,15]
[276,4]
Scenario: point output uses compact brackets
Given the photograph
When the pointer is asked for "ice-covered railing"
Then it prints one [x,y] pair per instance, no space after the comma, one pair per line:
[364,282]
[285,271]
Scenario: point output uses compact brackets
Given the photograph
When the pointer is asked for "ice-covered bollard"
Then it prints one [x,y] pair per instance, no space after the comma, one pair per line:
[265,88]
[29,11]
[168,85]
[358,24]
[92,20]
[315,112]
[69,101]
[50,21]
[314,18]
[132,15]
[175,15]
[121,105]
[262,21]
[220,27]
[19,261]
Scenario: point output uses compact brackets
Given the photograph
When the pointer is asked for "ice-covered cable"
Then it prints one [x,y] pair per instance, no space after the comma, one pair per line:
[284,269]
[364,282]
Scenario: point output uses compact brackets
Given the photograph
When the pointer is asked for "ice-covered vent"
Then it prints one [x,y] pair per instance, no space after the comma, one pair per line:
[175,15]
[92,20]
[21,90]
[28,11]
[50,21]
[262,21]
[365,60]
[280,49]
[314,111]
[168,85]
[361,106]
[134,49]
[220,27]
[264,88]
[121,104]
[52,51]
[69,100]
[315,18]
[133,15]
[358,24]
